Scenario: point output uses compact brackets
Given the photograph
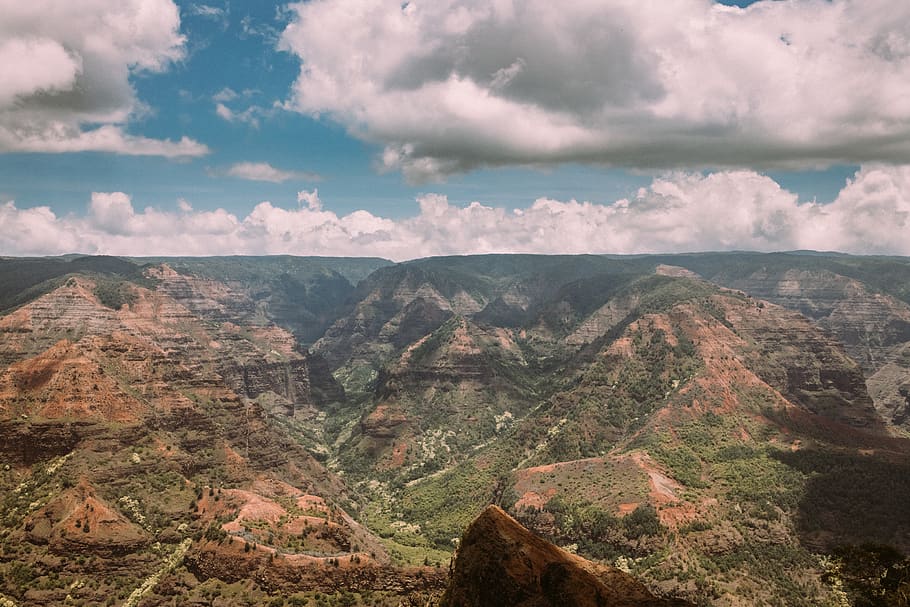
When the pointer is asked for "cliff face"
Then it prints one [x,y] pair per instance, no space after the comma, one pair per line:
[500,563]
[448,391]
[78,521]
[873,327]
[869,324]
[804,364]
[381,323]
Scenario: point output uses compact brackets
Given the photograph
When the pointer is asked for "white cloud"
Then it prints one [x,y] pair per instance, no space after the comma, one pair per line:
[311,199]
[59,137]
[210,12]
[729,210]
[17,59]
[251,115]
[65,74]
[225,94]
[224,112]
[37,231]
[871,214]
[450,85]
[112,212]
[263,171]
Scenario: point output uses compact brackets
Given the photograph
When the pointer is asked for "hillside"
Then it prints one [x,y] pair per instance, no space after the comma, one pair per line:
[729,427]
[863,301]
[165,441]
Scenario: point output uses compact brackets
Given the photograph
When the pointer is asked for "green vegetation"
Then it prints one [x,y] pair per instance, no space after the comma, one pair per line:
[114,293]
[849,496]
[598,533]
[873,575]
[24,279]
[445,505]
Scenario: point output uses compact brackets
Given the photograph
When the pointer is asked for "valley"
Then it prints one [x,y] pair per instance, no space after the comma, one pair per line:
[730,429]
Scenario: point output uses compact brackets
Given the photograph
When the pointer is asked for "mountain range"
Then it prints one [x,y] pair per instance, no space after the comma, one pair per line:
[729,428]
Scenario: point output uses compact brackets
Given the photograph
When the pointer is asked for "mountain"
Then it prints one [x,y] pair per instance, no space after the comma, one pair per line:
[729,428]
[863,301]
[174,433]
[638,412]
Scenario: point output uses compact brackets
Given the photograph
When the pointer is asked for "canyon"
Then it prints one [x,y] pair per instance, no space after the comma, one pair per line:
[726,428]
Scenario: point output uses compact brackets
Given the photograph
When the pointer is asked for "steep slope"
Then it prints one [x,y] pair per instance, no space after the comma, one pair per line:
[448,392]
[138,438]
[77,520]
[301,294]
[863,301]
[501,563]
[732,410]
[24,279]
[712,442]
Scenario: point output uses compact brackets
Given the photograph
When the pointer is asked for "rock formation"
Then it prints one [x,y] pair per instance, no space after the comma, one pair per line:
[499,563]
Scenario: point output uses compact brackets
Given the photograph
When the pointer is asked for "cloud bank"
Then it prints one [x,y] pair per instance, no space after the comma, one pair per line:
[65,69]
[676,213]
[449,85]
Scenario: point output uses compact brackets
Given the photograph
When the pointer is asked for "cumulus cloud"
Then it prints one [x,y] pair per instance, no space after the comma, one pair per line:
[678,212]
[65,74]
[263,171]
[450,85]
[311,199]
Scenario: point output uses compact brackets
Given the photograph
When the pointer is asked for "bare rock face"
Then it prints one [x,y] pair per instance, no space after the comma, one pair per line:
[383,422]
[803,363]
[605,318]
[890,388]
[63,382]
[71,311]
[206,298]
[873,327]
[502,564]
[382,323]
[869,324]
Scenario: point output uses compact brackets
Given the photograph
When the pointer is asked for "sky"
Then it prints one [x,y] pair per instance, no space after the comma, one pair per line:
[404,129]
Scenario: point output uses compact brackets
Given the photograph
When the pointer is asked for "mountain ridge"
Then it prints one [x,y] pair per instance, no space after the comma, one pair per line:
[660,412]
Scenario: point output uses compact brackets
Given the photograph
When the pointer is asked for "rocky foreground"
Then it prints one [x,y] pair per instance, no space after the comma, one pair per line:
[501,563]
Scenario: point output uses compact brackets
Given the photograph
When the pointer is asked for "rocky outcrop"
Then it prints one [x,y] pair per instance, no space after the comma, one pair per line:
[873,327]
[603,319]
[290,379]
[25,442]
[499,563]
[889,386]
[619,389]
[383,423]
[70,312]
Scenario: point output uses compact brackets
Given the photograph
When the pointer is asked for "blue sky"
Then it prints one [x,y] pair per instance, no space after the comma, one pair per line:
[219,88]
